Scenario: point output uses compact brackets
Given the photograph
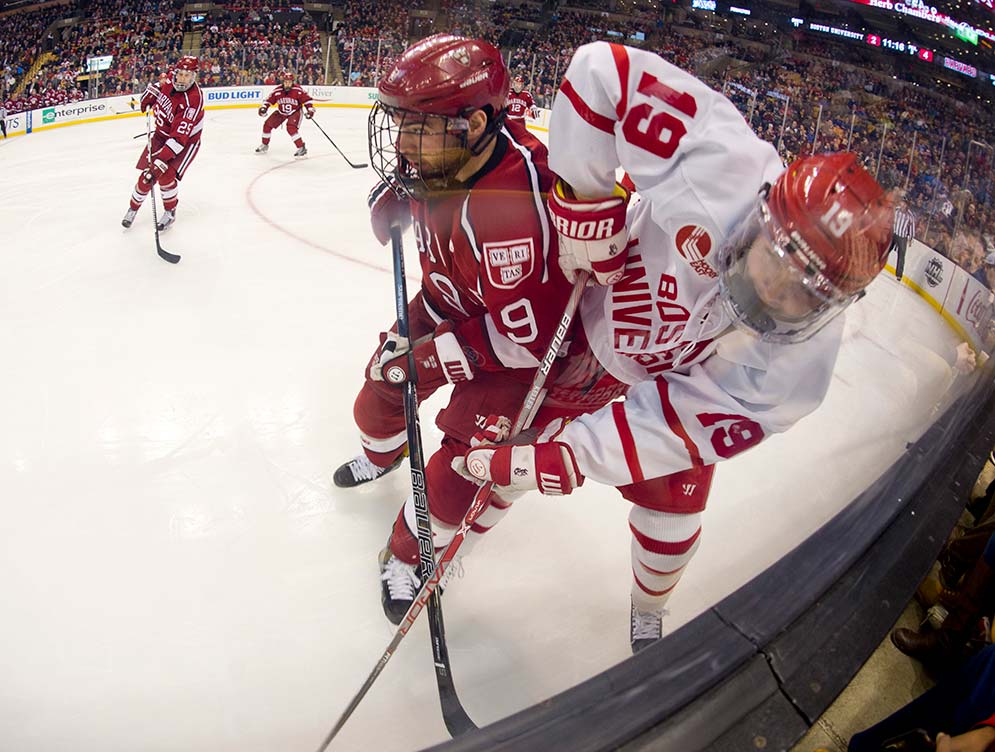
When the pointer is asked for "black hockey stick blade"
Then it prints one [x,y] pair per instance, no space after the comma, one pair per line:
[453,714]
[348,161]
[172,258]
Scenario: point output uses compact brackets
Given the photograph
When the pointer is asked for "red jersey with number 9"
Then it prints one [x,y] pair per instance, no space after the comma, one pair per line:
[488,256]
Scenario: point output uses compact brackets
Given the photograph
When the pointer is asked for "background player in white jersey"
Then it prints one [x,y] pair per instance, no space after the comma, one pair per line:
[719,307]
[289,99]
[177,108]
[520,103]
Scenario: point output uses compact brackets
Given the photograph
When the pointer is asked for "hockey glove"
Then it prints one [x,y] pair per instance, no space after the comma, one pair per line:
[593,236]
[386,208]
[263,109]
[309,113]
[155,170]
[437,362]
[548,466]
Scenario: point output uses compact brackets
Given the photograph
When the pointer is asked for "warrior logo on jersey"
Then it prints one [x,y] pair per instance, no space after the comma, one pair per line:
[694,243]
[509,262]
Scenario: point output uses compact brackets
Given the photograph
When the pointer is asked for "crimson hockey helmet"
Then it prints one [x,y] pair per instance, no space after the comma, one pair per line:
[433,90]
[447,75]
[811,245]
[187,66]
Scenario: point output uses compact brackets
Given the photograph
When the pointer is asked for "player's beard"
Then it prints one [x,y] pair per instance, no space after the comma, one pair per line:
[438,174]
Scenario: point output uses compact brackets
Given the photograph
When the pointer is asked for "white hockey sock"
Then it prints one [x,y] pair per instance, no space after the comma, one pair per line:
[662,545]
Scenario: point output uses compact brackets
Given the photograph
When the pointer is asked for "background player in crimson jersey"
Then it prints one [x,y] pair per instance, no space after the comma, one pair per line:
[289,99]
[520,103]
[178,111]
[720,311]
[492,294]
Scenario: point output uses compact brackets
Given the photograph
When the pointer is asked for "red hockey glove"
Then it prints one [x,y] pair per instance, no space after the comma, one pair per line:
[548,466]
[385,208]
[438,361]
[309,113]
[592,233]
[155,170]
[263,108]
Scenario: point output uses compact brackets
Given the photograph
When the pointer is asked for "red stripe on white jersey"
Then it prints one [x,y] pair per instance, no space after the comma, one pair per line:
[628,445]
[675,425]
[600,122]
[622,65]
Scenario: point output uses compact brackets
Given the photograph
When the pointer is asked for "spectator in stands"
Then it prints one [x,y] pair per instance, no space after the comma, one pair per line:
[963,704]
[974,598]
[986,272]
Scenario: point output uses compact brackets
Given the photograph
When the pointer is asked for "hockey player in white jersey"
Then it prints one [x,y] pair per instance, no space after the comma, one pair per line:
[717,300]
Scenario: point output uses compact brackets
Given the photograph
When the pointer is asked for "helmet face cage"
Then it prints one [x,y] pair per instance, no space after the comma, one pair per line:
[187,65]
[386,125]
[188,79]
[769,288]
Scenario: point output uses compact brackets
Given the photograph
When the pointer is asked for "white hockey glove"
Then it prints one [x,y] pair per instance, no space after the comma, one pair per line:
[593,236]
[546,465]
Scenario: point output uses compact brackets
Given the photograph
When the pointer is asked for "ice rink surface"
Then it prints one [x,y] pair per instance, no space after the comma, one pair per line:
[178,571]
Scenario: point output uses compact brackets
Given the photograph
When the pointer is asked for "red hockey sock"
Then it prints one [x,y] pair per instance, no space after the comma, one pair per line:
[402,543]
[299,142]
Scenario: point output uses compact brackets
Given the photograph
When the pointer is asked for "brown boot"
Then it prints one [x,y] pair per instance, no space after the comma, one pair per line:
[928,647]
[965,607]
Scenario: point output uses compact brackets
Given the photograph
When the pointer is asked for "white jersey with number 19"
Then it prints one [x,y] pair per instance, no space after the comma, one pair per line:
[702,391]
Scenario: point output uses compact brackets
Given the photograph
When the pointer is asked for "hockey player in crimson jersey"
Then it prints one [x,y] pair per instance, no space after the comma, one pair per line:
[177,110]
[289,99]
[473,190]
[717,301]
[520,103]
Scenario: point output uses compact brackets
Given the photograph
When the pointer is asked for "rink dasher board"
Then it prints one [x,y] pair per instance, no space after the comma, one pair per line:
[215,98]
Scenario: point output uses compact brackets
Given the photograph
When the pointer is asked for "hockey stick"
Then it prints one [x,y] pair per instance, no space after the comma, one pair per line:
[359,166]
[165,255]
[455,717]
[480,500]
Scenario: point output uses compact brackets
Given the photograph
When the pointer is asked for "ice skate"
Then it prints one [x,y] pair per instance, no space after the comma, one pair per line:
[302,152]
[360,470]
[645,627]
[399,583]
[129,217]
[167,219]
[262,148]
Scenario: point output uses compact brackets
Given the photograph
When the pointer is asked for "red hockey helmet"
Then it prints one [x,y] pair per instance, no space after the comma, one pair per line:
[837,215]
[185,72]
[447,75]
[436,86]
[808,249]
